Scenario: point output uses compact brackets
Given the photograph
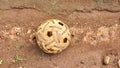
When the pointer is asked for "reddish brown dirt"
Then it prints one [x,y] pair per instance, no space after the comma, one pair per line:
[95,34]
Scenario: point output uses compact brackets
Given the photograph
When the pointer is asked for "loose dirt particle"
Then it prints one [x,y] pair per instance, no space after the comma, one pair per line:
[17,33]
[106,60]
[15,30]
[1,37]
[119,63]
[29,31]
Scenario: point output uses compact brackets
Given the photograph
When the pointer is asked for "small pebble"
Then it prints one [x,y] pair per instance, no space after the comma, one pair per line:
[17,33]
[82,62]
[106,60]
[29,31]
[119,63]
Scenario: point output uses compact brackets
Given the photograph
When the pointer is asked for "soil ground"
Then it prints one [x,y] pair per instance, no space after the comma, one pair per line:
[95,34]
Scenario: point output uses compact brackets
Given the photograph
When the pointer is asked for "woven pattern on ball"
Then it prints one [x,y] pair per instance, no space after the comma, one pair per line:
[53,36]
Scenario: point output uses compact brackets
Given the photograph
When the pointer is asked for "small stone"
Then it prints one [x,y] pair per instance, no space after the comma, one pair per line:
[17,33]
[32,38]
[119,63]
[29,31]
[82,62]
[16,30]
[106,60]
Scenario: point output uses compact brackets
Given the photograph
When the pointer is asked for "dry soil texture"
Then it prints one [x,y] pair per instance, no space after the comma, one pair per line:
[94,24]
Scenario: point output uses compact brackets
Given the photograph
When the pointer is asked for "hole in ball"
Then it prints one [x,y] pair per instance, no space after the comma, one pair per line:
[50,49]
[65,40]
[49,33]
[60,23]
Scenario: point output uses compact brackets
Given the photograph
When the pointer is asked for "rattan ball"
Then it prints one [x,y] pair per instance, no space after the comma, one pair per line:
[53,36]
